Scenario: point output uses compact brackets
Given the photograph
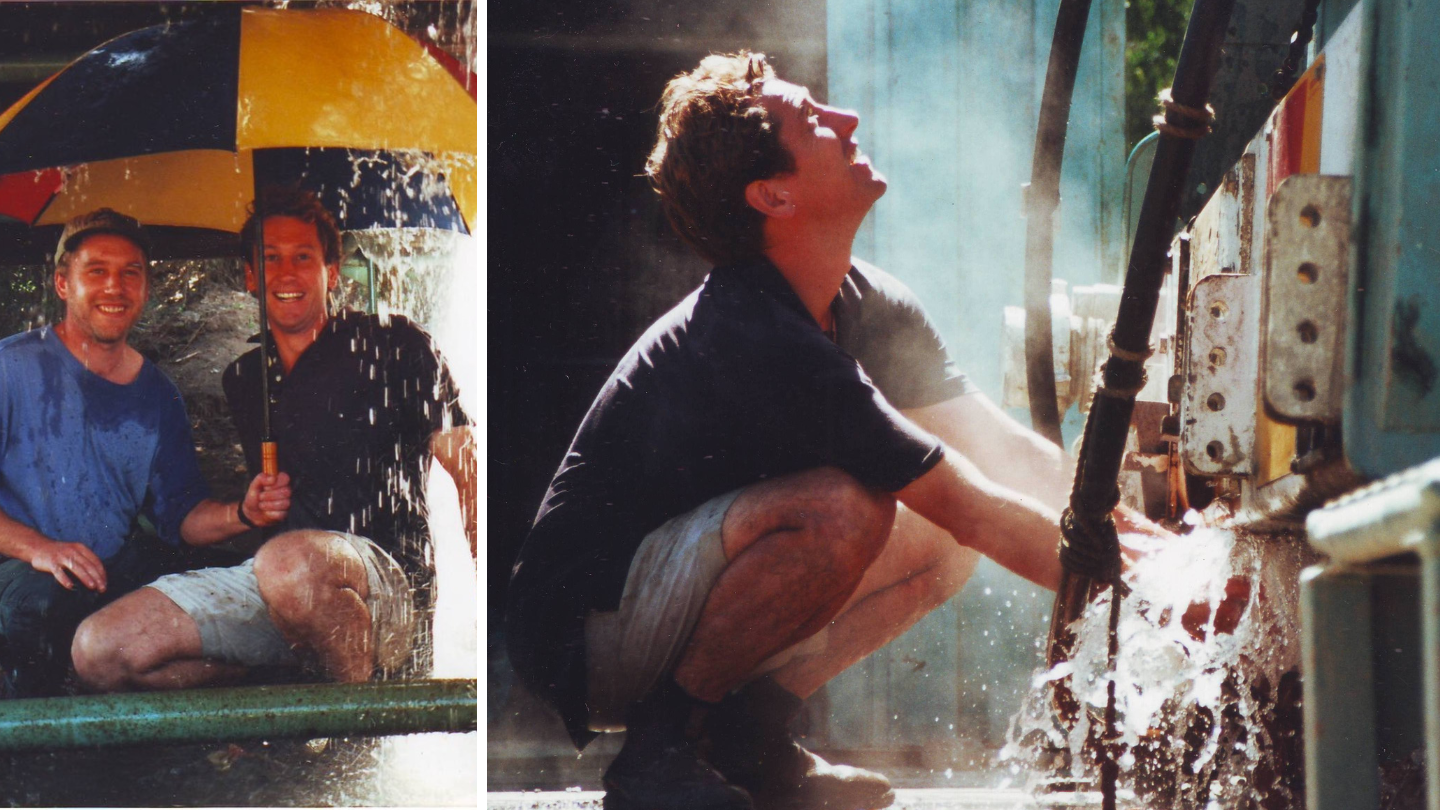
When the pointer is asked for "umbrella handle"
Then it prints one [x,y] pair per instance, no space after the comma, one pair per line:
[269,460]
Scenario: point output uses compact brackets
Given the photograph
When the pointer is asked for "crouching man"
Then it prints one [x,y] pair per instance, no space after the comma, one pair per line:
[782,475]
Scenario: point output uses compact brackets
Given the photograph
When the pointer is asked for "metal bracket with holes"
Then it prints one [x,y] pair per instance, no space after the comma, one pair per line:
[1217,413]
[1307,284]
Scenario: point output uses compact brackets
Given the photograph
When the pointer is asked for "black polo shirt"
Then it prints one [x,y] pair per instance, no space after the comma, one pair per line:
[735,385]
[352,422]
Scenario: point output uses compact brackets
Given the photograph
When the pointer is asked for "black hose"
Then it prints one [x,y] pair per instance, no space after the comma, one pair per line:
[1090,547]
[1098,470]
[1040,204]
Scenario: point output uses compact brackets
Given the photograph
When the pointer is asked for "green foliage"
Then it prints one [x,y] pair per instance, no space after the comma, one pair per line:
[26,298]
[1153,32]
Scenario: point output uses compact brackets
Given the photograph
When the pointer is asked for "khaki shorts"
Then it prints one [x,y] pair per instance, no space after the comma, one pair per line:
[627,650]
[235,624]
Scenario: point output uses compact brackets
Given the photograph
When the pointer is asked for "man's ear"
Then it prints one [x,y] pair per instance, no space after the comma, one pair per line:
[770,198]
[251,285]
[333,271]
[62,283]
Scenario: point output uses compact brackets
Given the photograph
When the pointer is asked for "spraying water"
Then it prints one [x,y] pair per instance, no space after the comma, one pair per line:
[1207,680]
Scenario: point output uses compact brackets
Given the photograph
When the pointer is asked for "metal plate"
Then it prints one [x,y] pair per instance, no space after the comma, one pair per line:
[1217,413]
[1307,285]
[1222,234]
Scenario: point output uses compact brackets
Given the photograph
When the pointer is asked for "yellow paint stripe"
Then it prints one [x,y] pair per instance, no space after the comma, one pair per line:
[194,189]
[1314,89]
[344,78]
[1274,447]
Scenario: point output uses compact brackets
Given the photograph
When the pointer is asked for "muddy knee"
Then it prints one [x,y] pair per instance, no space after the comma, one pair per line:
[298,571]
[103,661]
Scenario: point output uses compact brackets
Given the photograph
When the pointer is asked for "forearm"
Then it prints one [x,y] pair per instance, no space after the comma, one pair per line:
[211,522]
[19,541]
[1028,463]
[1005,451]
[469,510]
[1015,530]
[455,450]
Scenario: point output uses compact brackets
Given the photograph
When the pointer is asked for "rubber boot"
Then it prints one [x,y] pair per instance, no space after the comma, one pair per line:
[658,767]
[748,740]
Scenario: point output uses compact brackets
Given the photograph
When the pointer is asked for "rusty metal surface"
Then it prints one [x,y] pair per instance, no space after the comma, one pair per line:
[1222,238]
[1307,289]
[1217,412]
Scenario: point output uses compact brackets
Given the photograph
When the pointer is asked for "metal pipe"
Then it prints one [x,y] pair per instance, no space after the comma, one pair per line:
[199,715]
[1430,624]
[1041,201]
[1396,515]
[370,284]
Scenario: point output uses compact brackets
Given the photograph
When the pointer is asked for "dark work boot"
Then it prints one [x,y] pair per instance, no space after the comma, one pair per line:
[658,768]
[749,741]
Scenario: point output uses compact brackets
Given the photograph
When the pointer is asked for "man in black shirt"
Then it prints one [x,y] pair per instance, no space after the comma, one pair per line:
[360,405]
[782,475]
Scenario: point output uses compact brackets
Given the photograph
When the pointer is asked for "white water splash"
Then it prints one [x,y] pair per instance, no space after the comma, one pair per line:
[1202,716]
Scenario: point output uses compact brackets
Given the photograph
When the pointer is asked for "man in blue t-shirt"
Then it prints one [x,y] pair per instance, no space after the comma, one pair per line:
[93,438]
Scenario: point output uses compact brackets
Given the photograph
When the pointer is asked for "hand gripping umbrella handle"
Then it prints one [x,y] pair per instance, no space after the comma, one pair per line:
[269,459]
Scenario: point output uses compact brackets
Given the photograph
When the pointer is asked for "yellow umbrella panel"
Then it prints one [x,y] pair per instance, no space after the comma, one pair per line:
[210,188]
[166,119]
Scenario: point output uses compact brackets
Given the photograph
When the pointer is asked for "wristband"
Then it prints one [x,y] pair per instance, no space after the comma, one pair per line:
[240,513]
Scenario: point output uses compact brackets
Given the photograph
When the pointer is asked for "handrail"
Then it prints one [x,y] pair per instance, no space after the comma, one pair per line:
[250,712]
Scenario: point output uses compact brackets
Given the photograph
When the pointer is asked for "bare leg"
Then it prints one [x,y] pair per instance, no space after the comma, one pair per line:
[920,568]
[798,547]
[144,641]
[314,584]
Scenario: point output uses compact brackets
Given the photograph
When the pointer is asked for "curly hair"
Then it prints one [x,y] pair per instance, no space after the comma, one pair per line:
[714,139]
[297,203]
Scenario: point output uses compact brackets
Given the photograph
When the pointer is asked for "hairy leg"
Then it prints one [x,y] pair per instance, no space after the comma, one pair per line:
[798,547]
[144,641]
[920,568]
[314,584]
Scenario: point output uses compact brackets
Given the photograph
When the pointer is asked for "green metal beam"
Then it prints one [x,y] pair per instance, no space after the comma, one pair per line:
[199,715]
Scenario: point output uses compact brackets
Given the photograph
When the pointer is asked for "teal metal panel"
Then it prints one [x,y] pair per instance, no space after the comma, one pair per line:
[948,93]
[1395,606]
[1392,415]
[1341,772]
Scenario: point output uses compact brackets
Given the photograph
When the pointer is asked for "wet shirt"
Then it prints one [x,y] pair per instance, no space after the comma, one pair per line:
[352,422]
[81,457]
[735,385]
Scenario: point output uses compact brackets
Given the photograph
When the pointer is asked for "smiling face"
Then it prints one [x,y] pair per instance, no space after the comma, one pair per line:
[297,278]
[104,284]
[832,177]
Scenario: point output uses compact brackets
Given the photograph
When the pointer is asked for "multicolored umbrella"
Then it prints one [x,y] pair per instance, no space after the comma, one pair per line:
[178,124]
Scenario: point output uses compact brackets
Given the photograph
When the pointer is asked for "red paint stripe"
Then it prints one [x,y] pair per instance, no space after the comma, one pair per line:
[1288,138]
